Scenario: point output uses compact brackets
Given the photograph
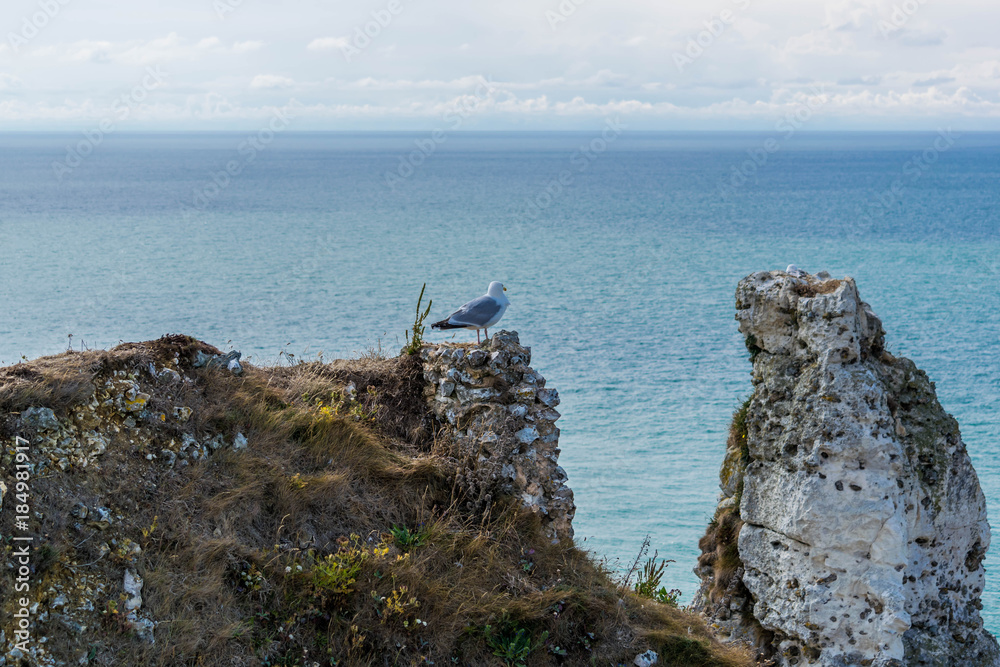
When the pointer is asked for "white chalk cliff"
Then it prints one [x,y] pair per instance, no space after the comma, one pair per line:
[861,526]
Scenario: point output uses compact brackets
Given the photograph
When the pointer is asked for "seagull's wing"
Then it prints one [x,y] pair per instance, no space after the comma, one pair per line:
[476,313]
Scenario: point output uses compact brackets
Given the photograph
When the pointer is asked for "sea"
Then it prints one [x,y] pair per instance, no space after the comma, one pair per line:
[621,251]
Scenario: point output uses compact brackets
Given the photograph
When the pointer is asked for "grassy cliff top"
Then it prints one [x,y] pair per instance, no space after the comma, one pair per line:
[284,516]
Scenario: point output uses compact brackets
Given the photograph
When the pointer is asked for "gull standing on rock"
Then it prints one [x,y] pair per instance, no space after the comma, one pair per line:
[793,270]
[481,313]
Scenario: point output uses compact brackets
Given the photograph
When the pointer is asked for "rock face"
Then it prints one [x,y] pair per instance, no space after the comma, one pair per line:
[497,420]
[863,523]
[110,435]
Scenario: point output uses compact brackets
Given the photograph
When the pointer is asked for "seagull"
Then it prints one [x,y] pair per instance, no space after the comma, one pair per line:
[481,313]
[793,270]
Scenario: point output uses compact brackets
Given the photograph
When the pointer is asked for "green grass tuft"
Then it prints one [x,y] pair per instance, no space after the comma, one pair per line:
[415,336]
[407,539]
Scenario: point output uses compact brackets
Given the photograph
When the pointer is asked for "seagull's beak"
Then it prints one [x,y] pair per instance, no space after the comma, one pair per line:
[504,289]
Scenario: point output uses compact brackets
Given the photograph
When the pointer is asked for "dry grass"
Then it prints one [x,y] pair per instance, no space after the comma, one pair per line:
[812,289]
[320,488]
[719,549]
[720,558]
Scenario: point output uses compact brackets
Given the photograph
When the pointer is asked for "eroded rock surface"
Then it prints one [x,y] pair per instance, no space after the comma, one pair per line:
[497,419]
[863,523]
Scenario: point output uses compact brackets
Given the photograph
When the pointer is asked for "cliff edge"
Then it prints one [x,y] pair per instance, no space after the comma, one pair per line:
[852,527]
[165,504]
[497,419]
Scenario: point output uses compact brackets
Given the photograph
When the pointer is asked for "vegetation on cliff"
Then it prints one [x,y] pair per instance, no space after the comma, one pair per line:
[182,514]
[719,565]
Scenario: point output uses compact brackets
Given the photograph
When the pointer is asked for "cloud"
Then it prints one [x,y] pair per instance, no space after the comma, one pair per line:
[321,44]
[848,14]
[247,47]
[936,81]
[983,77]
[750,29]
[867,80]
[820,43]
[602,59]
[165,49]
[603,78]
[924,36]
[373,84]
[9,82]
[137,52]
[98,52]
[930,104]
[271,81]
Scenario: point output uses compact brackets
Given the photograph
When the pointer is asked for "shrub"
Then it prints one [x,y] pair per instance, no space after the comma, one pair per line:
[415,341]
[337,573]
[512,646]
[648,582]
[407,539]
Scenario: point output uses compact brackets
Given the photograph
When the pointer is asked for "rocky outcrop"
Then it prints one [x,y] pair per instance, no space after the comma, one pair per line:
[497,419]
[860,523]
[117,405]
[153,409]
[118,399]
[186,510]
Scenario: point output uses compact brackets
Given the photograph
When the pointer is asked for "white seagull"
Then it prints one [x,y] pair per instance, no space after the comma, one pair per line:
[793,270]
[481,313]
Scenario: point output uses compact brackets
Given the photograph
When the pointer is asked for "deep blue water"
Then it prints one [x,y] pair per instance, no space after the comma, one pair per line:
[621,277]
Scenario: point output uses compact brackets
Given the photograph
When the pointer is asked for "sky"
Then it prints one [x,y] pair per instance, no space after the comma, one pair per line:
[513,65]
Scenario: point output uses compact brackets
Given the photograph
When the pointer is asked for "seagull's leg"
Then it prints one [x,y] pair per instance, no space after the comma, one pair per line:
[487,333]
[477,337]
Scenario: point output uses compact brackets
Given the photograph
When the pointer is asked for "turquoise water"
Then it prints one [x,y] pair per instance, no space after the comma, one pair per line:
[621,278]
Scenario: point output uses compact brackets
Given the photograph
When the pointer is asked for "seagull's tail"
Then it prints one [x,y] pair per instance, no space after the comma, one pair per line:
[444,324]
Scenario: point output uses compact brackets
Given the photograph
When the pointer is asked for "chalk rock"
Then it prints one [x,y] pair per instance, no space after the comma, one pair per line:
[864,525]
[133,589]
[144,628]
[550,397]
[43,419]
[646,659]
[527,435]
[499,427]
[169,375]
[229,361]
[100,518]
